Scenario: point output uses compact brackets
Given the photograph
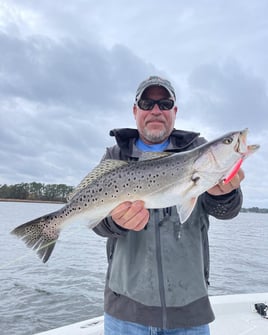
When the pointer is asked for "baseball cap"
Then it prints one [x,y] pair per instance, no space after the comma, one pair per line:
[155,81]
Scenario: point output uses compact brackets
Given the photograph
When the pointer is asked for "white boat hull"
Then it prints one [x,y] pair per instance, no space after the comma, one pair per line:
[235,315]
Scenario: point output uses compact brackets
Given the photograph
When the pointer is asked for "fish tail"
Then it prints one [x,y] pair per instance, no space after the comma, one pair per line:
[39,235]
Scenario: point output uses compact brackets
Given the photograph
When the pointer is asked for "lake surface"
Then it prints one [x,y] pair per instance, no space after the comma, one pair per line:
[69,288]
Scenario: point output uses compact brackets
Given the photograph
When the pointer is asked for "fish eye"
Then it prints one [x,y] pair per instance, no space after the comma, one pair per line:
[227,140]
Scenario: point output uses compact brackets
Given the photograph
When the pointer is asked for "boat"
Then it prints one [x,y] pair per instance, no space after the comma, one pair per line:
[238,314]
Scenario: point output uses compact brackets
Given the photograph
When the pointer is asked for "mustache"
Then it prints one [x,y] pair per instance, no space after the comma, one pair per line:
[155,119]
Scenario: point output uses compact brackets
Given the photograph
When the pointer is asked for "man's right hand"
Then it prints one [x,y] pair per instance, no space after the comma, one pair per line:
[131,215]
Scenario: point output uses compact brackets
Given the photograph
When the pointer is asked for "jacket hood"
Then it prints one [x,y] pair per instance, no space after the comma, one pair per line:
[180,139]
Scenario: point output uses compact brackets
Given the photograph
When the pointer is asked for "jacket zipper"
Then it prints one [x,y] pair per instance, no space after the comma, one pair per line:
[160,269]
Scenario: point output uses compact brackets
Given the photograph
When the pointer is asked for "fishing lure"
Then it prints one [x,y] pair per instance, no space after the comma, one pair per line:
[233,172]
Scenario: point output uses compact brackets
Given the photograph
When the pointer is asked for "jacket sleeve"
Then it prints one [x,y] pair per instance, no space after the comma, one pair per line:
[225,206]
[108,228]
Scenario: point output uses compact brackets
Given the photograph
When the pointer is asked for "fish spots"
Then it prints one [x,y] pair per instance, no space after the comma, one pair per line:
[137,188]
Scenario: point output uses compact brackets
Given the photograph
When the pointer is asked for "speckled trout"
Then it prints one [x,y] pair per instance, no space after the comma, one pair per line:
[159,179]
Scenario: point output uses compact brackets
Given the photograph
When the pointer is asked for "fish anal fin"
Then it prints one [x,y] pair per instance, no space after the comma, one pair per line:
[93,222]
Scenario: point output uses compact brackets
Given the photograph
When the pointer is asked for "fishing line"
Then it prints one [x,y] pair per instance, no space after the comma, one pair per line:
[5,265]
[17,259]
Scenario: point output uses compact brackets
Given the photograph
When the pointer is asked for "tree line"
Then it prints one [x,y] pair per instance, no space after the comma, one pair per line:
[254,210]
[36,191]
[58,192]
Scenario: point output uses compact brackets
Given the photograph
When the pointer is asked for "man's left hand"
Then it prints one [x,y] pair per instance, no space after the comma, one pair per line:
[233,184]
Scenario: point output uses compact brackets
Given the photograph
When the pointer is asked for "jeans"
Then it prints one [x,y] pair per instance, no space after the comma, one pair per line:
[114,326]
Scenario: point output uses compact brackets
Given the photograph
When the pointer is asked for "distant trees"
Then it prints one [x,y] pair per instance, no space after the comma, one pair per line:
[59,192]
[35,191]
[254,210]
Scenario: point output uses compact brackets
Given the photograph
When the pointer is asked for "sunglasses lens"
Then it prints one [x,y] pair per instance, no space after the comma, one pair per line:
[165,104]
[148,104]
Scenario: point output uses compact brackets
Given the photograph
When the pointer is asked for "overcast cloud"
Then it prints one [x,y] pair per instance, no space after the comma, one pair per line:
[69,71]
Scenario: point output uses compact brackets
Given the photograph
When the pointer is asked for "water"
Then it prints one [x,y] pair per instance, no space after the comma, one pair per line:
[69,288]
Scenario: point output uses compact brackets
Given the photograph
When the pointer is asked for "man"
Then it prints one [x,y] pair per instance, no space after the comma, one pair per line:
[158,268]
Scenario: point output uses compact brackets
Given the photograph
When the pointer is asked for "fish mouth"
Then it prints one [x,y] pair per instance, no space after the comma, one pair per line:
[241,145]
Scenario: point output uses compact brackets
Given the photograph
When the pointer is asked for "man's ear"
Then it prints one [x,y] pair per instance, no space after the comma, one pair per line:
[134,110]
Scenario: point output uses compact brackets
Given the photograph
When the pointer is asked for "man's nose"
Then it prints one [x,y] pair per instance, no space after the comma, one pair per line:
[156,109]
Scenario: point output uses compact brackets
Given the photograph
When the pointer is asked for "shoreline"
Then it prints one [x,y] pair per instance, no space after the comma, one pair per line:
[243,210]
[31,201]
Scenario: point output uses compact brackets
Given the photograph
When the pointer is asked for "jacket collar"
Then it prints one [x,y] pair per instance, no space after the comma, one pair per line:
[126,138]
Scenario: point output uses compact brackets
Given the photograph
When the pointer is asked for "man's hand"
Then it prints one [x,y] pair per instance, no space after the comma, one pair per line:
[131,215]
[233,184]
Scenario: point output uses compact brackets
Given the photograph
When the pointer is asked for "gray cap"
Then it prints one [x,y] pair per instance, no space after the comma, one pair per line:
[155,81]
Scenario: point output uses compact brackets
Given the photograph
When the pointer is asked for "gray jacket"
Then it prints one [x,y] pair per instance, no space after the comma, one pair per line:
[159,276]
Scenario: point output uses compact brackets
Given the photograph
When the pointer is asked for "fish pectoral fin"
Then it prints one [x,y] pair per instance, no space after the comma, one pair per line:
[185,209]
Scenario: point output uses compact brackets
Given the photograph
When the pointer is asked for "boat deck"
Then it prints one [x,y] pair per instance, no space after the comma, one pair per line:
[235,315]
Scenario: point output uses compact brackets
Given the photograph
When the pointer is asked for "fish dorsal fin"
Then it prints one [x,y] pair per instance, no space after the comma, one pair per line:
[149,155]
[100,170]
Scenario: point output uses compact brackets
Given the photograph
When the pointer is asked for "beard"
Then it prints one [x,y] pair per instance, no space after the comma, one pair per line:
[155,136]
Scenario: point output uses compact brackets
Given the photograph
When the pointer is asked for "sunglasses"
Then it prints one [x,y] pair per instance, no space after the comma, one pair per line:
[148,104]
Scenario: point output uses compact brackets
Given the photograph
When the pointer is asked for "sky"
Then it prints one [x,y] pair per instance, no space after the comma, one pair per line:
[69,71]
